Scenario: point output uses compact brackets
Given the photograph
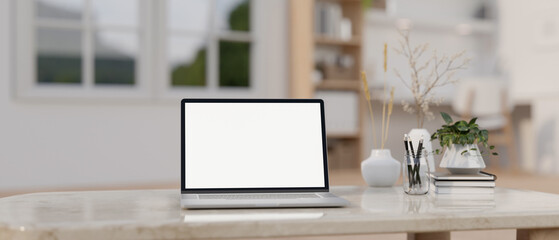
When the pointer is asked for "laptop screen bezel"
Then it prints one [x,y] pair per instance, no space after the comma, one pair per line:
[253,190]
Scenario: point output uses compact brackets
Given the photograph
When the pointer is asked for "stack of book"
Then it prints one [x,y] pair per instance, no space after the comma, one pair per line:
[446,183]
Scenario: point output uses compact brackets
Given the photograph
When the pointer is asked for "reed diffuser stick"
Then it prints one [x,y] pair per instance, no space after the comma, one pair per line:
[390,107]
[383,99]
[368,97]
[386,109]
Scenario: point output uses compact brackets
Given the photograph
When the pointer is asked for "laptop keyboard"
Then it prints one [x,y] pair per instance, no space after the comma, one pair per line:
[256,196]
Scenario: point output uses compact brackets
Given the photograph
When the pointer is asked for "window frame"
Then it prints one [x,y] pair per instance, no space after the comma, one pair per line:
[255,37]
[26,69]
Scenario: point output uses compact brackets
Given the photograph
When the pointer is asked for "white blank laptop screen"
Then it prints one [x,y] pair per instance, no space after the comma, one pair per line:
[253,145]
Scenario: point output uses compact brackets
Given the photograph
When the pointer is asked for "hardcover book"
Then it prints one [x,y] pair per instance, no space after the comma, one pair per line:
[463,183]
[445,176]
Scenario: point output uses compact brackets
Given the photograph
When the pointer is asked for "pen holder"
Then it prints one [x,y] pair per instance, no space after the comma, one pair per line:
[416,175]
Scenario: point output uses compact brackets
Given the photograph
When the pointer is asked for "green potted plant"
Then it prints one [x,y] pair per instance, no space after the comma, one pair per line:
[461,140]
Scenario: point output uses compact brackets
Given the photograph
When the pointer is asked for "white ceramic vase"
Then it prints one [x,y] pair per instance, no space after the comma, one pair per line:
[380,169]
[461,159]
[415,135]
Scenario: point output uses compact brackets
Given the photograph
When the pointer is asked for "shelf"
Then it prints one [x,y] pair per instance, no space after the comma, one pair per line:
[355,41]
[339,84]
[459,26]
[306,45]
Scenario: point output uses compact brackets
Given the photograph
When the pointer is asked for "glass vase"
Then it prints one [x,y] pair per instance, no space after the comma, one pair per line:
[415,172]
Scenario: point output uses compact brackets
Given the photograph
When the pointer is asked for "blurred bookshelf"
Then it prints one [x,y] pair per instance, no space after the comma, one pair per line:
[326,59]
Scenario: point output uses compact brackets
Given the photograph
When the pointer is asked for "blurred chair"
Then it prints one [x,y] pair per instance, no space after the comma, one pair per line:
[487,98]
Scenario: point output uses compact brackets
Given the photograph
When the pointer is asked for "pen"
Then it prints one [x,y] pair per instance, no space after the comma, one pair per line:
[420,147]
[411,147]
[408,160]
[406,144]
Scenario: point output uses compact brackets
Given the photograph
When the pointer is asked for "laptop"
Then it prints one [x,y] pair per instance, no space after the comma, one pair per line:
[254,153]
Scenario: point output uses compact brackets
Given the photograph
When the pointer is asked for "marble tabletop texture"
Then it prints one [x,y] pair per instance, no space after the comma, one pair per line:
[156,214]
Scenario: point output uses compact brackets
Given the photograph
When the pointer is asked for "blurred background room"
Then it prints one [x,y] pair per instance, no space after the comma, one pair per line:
[90,89]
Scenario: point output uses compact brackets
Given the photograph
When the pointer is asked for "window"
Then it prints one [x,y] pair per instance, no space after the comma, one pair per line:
[209,46]
[81,48]
[139,48]
[225,22]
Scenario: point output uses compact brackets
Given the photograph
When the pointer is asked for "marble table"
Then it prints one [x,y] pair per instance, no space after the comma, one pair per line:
[156,214]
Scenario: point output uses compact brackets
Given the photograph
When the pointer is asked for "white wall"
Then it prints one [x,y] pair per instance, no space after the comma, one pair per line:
[530,43]
[60,144]
[440,33]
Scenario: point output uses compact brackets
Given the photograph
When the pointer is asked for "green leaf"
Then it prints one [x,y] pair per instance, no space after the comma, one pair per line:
[463,152]
[474,130]
[434,136]
[445,141]
[491,147]
[472,122]
[447,119]
[471,138]
[485,134]
[462,126]
[495,154]
[460,132]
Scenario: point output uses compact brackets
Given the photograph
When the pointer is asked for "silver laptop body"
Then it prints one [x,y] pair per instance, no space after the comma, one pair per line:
[254,153]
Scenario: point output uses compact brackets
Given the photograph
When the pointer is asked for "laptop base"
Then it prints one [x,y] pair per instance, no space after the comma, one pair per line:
[194,201]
